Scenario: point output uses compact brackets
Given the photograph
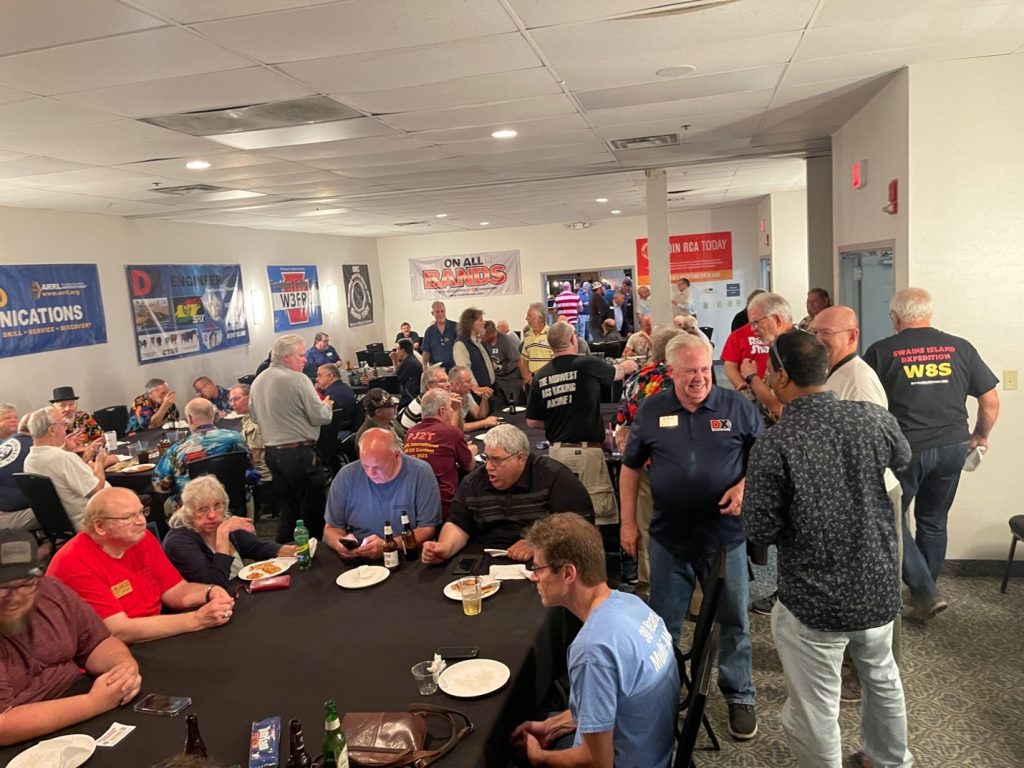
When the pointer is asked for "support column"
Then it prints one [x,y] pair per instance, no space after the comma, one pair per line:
[821,266]
[657,246]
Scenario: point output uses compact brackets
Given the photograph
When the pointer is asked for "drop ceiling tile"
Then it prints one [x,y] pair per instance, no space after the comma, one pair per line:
[191,11]
[351,147]
[687,88]
[356,27]
[225,165]
[36,111]
[29,166]
[8,95]
[24,28]
[502,86]
[133,58]
[379,159]
[871,10]
[209,90]
[102,181]
[384,172]
[21,197]
[530,131]
[508,112]
[684,111]
[97,204]
[543,13]
[419,65]
[355,128]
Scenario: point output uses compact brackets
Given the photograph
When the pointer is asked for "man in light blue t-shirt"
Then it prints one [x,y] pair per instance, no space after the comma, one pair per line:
[382,485]
[623,681]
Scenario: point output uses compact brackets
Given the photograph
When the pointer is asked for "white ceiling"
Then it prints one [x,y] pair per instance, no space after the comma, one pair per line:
[427,82]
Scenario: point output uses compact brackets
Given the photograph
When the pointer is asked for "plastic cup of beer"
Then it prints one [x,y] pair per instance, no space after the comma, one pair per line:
[425,681]
[469,589]
[111,439]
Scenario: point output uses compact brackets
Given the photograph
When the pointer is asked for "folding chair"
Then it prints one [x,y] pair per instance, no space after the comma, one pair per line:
[46,506]
[229,468]
[113,419]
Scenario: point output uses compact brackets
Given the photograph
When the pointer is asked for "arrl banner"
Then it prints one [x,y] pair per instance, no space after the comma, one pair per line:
[471,274]
[50,306]
[294,297]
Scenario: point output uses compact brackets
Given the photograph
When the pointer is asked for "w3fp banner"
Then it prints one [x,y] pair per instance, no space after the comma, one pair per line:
[295,297]
[471,274]
[50,306]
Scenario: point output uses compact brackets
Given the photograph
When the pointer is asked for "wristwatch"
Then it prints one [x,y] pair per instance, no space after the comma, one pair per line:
[749,378]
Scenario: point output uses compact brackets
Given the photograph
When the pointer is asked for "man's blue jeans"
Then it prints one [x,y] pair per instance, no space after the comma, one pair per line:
[930,481]
[672,583]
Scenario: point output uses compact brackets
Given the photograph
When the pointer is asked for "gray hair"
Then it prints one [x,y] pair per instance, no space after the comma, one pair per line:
[507,437]
[560,336]
[660,337]
[243,388]
[153,384]
[539,307]
[7,408]
[284,346]
[429,374]
[196,491]
[200,407]
[911,304]
[39,422]
[331,369]
[772,304]
[683,342]
[456,370]
[433,401]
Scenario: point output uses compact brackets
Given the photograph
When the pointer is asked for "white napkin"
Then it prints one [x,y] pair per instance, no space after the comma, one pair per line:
[508,572]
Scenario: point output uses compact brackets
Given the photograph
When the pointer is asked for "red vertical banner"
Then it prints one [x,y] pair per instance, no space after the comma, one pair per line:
[706,256]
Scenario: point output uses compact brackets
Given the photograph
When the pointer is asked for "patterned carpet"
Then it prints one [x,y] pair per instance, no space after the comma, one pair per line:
[963,675]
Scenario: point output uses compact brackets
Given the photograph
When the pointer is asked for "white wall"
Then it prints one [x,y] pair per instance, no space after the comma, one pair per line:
[109,373]
[553,248]
[789,247]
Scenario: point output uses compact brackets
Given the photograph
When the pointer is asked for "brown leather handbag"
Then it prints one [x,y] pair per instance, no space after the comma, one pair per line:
[398,739]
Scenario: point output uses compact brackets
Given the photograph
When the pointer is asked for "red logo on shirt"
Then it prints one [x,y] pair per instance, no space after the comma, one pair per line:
[721,425]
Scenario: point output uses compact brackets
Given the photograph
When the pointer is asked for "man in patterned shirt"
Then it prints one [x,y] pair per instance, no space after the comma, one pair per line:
[152,408]
[81,427]
[205,387]
[815,488]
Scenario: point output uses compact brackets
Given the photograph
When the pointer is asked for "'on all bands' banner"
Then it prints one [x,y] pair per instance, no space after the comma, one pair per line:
[50,306]
[295,297]
[186,309]
[471,274]
[706,256]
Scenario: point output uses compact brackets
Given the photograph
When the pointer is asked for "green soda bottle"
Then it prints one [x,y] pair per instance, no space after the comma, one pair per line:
[335,747]
[301,537]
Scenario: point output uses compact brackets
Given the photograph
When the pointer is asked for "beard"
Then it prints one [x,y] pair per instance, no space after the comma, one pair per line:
[16,626]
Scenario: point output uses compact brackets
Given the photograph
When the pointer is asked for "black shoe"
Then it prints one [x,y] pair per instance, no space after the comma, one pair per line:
[742,721]
[764,605]
[921,610]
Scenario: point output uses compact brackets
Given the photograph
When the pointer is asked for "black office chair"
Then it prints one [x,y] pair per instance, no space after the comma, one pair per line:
[230,469]
[365,357]
[377,346]
[113,419]
[381,359]
[348,449]
[707,330]
[1017,531]
[46,506]
[387,383]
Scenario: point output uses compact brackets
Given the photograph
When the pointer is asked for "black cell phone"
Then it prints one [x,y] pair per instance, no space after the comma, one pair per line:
[467,565]
[349,543]
[458,652]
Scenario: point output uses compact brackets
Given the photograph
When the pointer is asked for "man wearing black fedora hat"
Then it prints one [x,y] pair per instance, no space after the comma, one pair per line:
[84,434]
[47,635]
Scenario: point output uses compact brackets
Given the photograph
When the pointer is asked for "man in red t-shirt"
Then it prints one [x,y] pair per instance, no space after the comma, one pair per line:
[440,444]
[117,566]
[47,635]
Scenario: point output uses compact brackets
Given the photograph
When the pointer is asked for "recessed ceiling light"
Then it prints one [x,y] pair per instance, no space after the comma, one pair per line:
[440,215]
[676,71]
[600,199]
[504,133]
[616,213]
[197,165]
[484,223]
[324,212]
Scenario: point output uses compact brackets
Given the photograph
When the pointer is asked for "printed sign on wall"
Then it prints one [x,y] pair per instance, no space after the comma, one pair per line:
[471,274]
[181,310]
[706,256]
[294,297]
[358,298]
[50,306]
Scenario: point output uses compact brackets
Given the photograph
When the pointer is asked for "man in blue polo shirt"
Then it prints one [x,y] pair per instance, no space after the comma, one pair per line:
[697,438]
[438,339]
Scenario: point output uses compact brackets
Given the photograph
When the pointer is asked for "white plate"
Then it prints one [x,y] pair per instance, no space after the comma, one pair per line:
[231,416]
[175,425]
[363,576]
[137,468]
[481,437]
[253,573]
[62,752]
[451,591]
[476,677]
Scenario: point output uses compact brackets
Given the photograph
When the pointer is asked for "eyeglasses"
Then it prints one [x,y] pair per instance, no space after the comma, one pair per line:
[497,461]
[824,333]
[533,567]
[21,589]
[217,508]
[755,323]
[143,513]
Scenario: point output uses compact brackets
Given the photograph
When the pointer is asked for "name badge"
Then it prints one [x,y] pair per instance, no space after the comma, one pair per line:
[121,589]
[668,422]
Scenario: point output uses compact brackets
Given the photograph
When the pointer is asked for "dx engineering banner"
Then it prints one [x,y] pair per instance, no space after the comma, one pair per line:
[474,274]
[181,310]
[50,306]
[295,297]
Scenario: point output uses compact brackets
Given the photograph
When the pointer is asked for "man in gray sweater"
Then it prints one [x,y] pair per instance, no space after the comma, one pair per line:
[290,413]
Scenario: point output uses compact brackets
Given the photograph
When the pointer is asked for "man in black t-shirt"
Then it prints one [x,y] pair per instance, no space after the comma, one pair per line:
[928,376]
[565,400]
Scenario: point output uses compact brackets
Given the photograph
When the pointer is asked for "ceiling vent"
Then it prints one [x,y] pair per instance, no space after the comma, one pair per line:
[256,117]
[679,194]
[646,142]
[411,223]
[189,189]
[578,225]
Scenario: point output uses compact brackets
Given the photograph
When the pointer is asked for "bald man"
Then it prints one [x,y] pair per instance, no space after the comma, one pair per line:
[848,375]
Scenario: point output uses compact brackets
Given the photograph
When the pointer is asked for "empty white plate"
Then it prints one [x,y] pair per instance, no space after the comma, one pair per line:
[62,752]
[472,678]
[363,576]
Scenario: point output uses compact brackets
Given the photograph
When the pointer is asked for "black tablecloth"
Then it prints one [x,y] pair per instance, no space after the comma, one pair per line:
[286,652]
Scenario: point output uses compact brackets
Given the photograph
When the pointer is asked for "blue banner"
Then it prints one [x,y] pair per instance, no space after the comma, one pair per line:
[50,306]
[294,297]
[180,310]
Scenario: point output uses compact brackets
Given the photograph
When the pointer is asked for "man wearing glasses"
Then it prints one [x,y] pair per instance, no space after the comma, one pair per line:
[47,635]
[117,566]
[770,317]
[497,503]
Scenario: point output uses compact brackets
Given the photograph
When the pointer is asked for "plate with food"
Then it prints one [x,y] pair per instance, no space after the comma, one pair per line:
[487,588]
[472,678]
[363,576]
[68,751]
[137,468]
[266,568]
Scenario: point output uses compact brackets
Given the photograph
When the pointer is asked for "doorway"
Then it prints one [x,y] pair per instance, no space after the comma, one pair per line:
[866,284]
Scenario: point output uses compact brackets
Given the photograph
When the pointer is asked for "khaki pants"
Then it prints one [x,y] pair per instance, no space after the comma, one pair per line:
[644,511]
[589,466]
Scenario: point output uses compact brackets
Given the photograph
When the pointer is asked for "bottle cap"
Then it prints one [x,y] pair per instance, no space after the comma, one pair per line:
[299,523]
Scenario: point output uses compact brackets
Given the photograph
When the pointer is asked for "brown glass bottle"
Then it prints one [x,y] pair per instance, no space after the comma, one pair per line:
[391,559]
[298,757]
[409,542]
[194,740]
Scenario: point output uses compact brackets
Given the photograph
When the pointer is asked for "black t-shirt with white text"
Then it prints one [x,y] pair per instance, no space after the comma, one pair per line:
[566,396]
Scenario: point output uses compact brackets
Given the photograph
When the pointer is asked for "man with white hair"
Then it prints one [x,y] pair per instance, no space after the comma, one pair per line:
[75,479]
[290,413]
[770,317]
[928,376]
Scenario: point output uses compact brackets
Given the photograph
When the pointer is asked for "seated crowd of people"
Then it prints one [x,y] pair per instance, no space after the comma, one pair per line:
[812,448]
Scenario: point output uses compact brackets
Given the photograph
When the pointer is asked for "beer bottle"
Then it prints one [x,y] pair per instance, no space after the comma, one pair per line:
[391,561]
[193,740]
[301,536]
[409,542]
[335,748]
[298,757]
